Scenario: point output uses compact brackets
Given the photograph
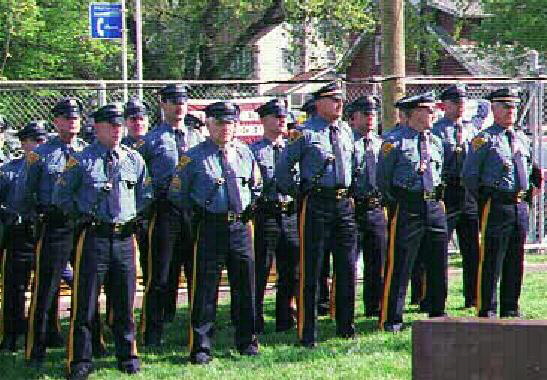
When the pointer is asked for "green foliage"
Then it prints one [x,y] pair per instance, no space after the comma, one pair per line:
[514,26]
[50,40]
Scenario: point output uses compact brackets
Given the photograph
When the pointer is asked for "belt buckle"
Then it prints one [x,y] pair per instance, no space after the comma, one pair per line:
[284,206]
[428,196]
[117,227]
[231,217]
[340,193]
[519,196]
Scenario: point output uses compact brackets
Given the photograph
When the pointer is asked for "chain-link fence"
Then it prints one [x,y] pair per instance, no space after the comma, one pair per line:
[22,101]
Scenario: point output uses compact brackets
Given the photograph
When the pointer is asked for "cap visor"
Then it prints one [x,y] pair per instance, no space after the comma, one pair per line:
[226,118]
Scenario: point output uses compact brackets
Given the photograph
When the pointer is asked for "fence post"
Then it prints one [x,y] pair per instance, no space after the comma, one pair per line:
[101,94]
[540,158]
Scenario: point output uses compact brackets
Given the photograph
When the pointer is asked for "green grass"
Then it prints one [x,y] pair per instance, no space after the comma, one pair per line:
[374,355]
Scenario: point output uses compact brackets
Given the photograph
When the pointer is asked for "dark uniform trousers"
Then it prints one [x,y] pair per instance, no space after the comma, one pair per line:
[53,250]
[503,233]
[372,225]
[276,235]
[415,225]
[100,256]
[462,216]
[18,261]
[219,243]
[326,219]
[171,245]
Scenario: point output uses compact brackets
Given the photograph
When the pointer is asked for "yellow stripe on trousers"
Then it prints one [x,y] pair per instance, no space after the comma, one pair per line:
[32,312]
[193,290]
[74,298]
[484,223]
[149,279]
[302,279]
[389,266]
[2,311]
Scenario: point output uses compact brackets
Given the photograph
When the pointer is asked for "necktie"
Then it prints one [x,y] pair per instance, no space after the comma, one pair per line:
[459,147]
[370,169]
[277,148]
[114,204]
[517,161]
[339,164]
[425,164]
[232,188]
[180,139]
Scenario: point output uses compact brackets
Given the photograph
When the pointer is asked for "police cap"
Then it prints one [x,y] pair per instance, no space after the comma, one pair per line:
[309,106]
[421,100]
[454,92]
[274,107]
[193,121]
[366,104]
[225,111]
[110,113]
[135,107]
[68,107]
[176,93]
[504,95]
[332,89]
[36,129]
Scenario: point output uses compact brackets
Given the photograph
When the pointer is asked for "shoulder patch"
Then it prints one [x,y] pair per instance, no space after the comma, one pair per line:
[138,144]
[477,142]
[295,135]
[32,158]
[175,184]
[72,162]
[183,161]
[387,147]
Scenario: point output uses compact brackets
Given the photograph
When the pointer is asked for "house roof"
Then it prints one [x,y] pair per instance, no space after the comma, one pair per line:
[299,81]
[460,8]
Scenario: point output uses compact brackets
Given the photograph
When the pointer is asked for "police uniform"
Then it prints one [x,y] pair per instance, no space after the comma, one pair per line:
[409,176]
[135,107]
[498,170]
[19,256]
[324,151]
[170,228]
[55,236]
[220,185]
[104,189]
[276,232]
[369,213]
[461,206]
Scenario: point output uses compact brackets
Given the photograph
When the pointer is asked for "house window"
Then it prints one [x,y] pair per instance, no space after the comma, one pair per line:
[287,60]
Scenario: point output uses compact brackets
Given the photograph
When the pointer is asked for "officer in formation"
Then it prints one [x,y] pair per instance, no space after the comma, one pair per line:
[219,179]
[324,150]
[170,227]
[499,173]
[136,122]
[409,177]
[276,229]
[104,188]
[20,245]
[461,206]
[34,193]
[369,213]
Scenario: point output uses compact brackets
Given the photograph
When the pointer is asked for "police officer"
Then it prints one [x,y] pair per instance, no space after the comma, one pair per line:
[170,227]
[498,170]
[461,206]
[276,233]
[409,175]
[20,245]
[104,187]
[220,179]
[324,150]
[35,191]
[369,212]
[136,120]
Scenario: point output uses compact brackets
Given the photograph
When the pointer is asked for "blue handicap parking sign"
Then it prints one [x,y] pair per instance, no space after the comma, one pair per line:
[105,20]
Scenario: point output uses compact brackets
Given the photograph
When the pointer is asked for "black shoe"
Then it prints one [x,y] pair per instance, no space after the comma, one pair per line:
[487,314]
[251,350]
[393,327]
[372,313]
[35,363]
[9,343]
[438,315]
[80,373]
[470,304]
[55,340]
[132,367]
[200,358]
[309,345]
[323,309]
[511,314]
